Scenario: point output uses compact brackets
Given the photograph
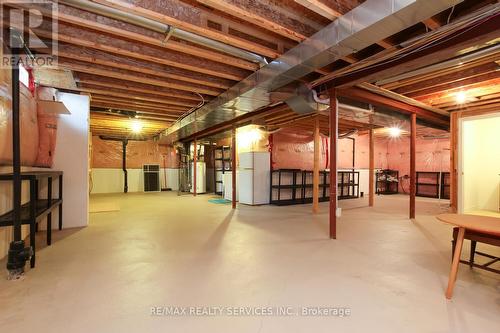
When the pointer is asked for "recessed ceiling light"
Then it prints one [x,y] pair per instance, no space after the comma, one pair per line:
[394,132]
[136,126]
[461,97]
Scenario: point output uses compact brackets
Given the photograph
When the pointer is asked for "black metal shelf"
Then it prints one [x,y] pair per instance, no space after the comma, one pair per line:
[224,161]
[384,185]
[297,190]
[42,208]
[427,184]
[36,209]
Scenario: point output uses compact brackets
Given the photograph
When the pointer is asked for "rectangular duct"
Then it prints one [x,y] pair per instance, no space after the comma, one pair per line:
[363,26]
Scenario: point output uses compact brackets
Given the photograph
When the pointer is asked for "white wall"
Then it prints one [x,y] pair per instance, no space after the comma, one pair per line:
[480,164]
[72,157]
[111,180]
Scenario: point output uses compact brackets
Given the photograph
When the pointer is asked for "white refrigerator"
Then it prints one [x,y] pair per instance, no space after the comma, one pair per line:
[201,183]
[253,178]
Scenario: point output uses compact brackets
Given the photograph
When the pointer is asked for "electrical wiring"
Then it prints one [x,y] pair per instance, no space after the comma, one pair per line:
[200,104]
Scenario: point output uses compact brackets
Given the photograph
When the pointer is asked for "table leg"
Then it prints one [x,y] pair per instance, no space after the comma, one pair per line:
[60,197]
[472,253]
[456,260]
[49,229]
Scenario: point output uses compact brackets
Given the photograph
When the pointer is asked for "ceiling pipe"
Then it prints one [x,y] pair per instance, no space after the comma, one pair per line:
[163,28]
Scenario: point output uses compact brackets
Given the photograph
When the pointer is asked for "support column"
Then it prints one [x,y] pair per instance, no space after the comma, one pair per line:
[233,166]
[315,206]
[195,160]
[371,176]
[333,163]
[413,174]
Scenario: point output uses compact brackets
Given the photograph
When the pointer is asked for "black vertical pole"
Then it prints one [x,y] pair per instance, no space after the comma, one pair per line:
[124,165]
[16,146]
[18,254]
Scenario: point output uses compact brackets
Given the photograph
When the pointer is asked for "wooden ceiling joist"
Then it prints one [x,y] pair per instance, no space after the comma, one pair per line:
[138,69]
[160,101]
[171,45]
[134,78]
[320,8]
[132,108]
[375,99]
[78,41]
[252,18]
[127,87]
[191,27]
[159,106]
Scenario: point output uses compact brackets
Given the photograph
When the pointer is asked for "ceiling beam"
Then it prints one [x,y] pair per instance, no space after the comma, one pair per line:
[320,8]
[191,27]
[161,101]
[137,37]
[105,98]
[401,107]
[138,69]
[134,78]
[252,18]
[78,41]
[128,87]
[452,46]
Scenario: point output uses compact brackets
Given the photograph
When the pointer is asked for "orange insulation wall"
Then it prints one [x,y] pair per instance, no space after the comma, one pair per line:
[108,154]
[28,119]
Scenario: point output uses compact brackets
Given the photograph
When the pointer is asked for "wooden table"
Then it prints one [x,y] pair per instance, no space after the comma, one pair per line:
[484,224]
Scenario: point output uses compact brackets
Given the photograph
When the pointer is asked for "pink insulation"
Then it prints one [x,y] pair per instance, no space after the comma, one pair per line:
[108,154]
[47,126]
[431,155]
[28,119]
[292,150]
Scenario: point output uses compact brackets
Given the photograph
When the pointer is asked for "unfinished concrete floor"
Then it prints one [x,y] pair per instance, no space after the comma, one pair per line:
[164,250]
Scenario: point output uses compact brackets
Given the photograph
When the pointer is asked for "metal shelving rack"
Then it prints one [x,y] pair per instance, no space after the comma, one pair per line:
[385,186]
[288,186]
[222,164]
[294,186]
[348,184]
[428,184]
[36,209]
[445,185]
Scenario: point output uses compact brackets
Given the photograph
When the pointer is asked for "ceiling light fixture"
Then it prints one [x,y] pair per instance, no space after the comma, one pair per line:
[394,132]
[136,126]
[461,97]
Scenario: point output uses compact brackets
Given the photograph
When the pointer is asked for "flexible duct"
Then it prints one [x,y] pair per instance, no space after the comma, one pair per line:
[164,29]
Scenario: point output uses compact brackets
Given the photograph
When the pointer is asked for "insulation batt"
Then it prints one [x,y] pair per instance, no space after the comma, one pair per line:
[108,154]
[28,119]
[47,127]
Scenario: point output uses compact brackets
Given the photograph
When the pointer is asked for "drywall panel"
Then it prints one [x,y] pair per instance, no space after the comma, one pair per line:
[480,164]
[72,156]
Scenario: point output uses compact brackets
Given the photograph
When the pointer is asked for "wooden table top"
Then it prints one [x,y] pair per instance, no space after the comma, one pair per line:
[479,223]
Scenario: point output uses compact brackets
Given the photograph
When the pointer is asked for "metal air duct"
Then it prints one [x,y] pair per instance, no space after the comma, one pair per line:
[363,26]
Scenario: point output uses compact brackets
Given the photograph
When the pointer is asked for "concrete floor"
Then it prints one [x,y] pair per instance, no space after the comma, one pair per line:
[164,250]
